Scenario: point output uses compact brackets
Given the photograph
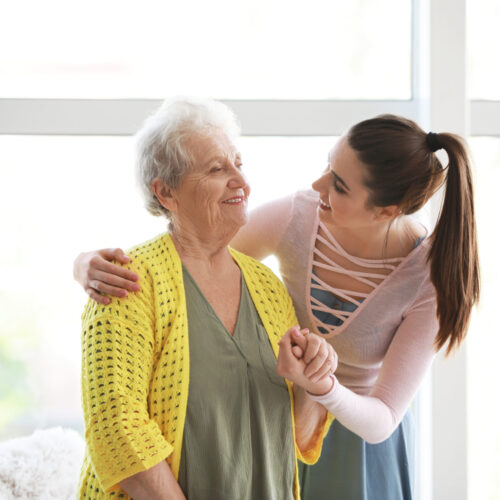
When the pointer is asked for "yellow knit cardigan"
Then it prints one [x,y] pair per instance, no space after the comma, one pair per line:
[135,367]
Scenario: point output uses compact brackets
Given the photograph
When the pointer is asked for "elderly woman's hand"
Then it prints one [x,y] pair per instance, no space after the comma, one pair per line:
[98,276]
[307,360]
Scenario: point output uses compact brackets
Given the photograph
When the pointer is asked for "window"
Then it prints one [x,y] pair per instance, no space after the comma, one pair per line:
[223,49]
[483,19]
[79,78]
[484,342]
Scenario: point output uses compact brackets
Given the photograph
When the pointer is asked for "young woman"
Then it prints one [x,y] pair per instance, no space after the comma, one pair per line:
[366,276]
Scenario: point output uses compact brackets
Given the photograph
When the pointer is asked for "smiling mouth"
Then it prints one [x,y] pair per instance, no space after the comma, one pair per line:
[324,205]
[235,201]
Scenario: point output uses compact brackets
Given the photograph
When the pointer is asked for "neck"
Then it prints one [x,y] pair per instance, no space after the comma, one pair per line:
[364,241]
[204,248]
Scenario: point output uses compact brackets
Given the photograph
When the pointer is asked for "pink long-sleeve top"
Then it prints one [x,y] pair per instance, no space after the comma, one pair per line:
[385,346]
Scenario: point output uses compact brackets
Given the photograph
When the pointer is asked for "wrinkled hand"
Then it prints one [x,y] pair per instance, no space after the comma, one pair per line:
[307,360]
[98,276]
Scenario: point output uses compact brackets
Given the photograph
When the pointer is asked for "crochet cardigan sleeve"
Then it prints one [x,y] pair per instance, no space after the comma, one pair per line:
[117,361]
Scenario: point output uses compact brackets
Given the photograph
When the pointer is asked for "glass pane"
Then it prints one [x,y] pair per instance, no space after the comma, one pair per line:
[483,39]
[64,195]
[483,339]
[251,49]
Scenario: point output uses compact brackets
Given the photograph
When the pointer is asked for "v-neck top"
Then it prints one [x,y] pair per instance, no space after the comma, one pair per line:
[385,344]
[238,439]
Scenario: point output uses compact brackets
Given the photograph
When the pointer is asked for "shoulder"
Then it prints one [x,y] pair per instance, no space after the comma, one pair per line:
[151,249]
[284,208]
[419,272]
[158,265]
[305,200]
[156,255]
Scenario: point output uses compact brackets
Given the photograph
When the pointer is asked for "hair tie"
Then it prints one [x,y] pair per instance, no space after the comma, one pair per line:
[432,140]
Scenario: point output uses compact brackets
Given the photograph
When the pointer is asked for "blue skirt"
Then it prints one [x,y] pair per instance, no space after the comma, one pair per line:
[351,469]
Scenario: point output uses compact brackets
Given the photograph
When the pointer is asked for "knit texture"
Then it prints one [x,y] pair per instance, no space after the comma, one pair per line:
[135,367]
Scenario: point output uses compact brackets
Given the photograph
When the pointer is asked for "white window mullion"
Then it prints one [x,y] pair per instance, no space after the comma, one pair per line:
[124,117]
[448,112]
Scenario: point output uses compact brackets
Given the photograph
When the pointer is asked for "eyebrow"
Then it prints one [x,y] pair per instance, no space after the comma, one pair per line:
[339,180]
[236,155]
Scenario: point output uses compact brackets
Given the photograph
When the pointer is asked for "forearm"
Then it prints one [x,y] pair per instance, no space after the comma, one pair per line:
[156,483]
[260,236]
[368,417]
[310,417]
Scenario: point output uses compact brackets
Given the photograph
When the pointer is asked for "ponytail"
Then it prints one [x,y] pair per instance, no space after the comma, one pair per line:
[401,169]
[453,256]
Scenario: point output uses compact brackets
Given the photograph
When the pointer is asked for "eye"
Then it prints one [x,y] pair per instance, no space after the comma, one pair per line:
[215,169]
[338,187]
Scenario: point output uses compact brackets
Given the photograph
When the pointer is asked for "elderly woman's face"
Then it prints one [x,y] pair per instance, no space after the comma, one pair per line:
[213,194]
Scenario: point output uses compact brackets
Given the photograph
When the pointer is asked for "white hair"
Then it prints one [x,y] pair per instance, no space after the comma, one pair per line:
[161,142]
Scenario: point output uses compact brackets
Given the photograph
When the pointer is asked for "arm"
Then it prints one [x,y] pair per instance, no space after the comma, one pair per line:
[258,238]
[157,483]
[308,363]
[375,416]
[118,360]
[310,420]
[261,235]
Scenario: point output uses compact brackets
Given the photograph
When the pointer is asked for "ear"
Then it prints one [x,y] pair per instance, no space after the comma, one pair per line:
[387,213]
[165,195]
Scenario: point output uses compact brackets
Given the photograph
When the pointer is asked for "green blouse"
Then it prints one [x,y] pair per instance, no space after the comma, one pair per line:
[238,440]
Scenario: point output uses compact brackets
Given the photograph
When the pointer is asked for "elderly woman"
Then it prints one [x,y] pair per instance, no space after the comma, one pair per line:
[180,391]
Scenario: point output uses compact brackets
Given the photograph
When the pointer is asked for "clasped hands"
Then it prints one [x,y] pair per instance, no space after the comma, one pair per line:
[307,360]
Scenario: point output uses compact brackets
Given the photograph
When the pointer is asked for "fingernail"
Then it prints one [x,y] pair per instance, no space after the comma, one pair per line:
[296,333]
[136,288]
[124,293]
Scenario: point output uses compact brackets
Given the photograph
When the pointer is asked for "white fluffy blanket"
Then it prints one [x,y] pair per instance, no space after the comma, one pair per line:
[43,466]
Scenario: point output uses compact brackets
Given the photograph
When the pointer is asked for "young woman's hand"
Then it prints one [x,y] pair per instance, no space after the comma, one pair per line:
[98,276]
[307,360]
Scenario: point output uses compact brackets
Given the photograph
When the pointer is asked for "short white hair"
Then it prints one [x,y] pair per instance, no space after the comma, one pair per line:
[161,141]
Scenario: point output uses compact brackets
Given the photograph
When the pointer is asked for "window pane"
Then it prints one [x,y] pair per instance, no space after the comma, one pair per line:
[251,49]
[483,339]
[483,18]
[63,195]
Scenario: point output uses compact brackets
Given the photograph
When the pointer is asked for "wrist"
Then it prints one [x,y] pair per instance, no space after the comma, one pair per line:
[322,387]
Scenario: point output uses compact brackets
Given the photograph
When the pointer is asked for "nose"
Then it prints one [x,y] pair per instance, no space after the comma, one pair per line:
[237,178]
[319,183]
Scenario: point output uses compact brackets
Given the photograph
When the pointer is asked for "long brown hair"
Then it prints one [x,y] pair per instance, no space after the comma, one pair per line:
[402,169]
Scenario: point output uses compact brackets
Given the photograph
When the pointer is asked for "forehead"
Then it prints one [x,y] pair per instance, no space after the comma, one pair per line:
[344,161]
[206,147]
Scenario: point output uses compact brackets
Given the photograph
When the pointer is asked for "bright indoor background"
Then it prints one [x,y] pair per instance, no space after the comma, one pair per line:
[78,78]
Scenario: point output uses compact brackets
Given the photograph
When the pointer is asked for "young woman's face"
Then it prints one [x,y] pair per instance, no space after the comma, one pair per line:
[343,196]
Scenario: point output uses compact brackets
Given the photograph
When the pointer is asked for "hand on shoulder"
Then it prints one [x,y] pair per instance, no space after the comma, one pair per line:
[100,277]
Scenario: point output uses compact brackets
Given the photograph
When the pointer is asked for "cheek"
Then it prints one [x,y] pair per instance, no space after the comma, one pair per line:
[341,203]
[207,191]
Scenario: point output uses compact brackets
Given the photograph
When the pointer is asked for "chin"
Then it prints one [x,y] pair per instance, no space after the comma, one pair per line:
[241,221]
